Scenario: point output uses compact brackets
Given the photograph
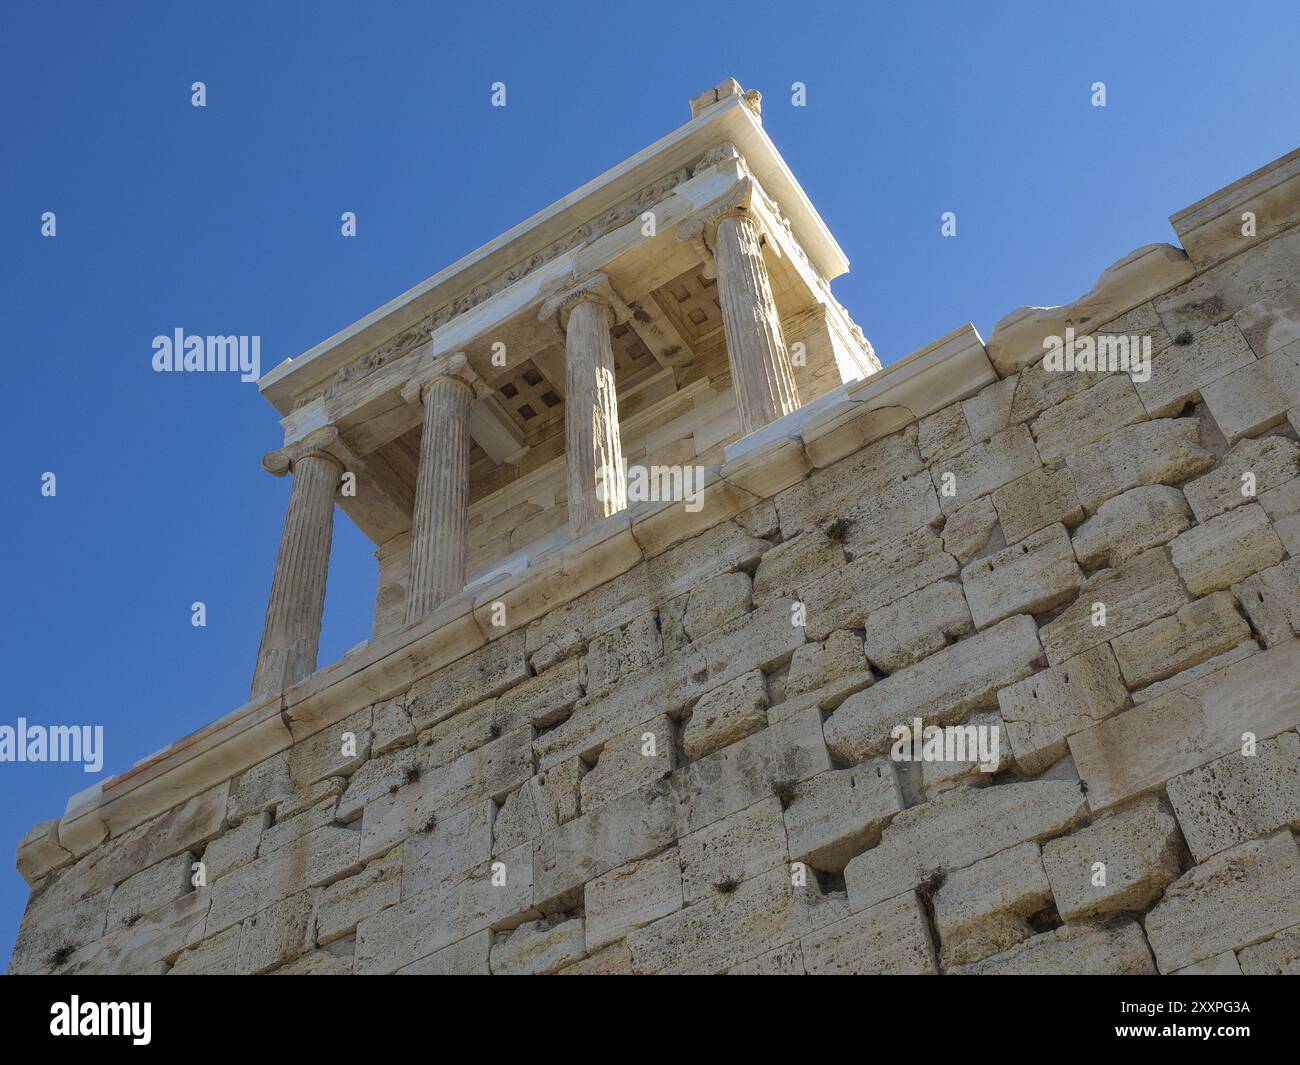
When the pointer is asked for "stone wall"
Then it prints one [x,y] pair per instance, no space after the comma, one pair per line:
[690,767]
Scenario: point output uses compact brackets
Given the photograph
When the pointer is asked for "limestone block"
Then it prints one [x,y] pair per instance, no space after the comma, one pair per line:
[726,714]
[1142,748]
[468,957]
[1256,396]
[629,762]
[838,664]
[1042,710]
[623,651]
[1085,417]
[317,963]
[447,913]
[1134,593]
[940,689]
[915,626]
[1226,549]
[1278,956]
[958,828]
[760,520]
[455,736]
[379,776]
[754,769]
[891,938]
[988,412]
[338,750]
[390,726]
[612,960]
[1234,899]
[316,797]
[556,793]
[149,889]
[1282,505]
[141,948]
[896,510]
[739,847]
[632,896]
[1224,964]
[716,602]
[1271,599]
[345,903]
[260,788]
[1130,523]
[1162,451]
[940,774]
[541,700]
[319,857]
[537,947]
[985,908]
[493,770]
[1180,372]
[1038,389]
[1238,796]
[793,565]
[516,820]
[1199,630]
[985,467]
[1138,846]
[54,925]
[277,934]
[1272,322]
[723,931]
[968,528]
[1088,949]
[39,851]
[445,851]
[1271,460]
[629,828]
[1035,501]
[785,960]
[1026,578]
[943,434]
[840,813]
[481,674]
[841,600]
[215,956]
[1201,669]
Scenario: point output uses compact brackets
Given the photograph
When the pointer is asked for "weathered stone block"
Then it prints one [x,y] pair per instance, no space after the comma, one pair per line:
[985,467]
[541,700]
[985,908]
[1113,949]
[277,934]
[1239,796]
[968,528]
[1180,372]
[726,714]
[1087,416]
[984,752]
[260,788]
[1141,748]
[917,625]
[793,565]
[1032,576]
[344,904]
[785,960]
[482,674]
[739,847]
[1138,848]
[629,762]
[612,960]
[390,726]
[958,828]
[1282,505]
[1164,451]
[1272,322]
[379,776]
[632,896]
[891,938]
[1237,898]
[149,889]
[1226,549]
[715,602]
[1256,396]
[622,652]
[457,735]
[336,751]
[1042,710]
[1278,956]
[445,849]
[468,957]
[1199,630]
[1133,593]
[1035,501]
[1130,523]
[1271,599]
[834,668]
[1270,461]
[836,815]
[537,947]
[940,689]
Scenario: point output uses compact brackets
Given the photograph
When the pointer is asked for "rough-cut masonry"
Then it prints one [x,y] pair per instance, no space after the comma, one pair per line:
[666,743]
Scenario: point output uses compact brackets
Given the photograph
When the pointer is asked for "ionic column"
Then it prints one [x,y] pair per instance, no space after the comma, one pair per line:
[291,633]
[760,364]
[594,452]
[440,522]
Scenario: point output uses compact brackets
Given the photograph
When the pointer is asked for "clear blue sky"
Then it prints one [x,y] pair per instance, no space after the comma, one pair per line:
[226,220]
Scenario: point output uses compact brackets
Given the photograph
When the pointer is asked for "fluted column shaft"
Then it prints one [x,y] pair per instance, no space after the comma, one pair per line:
[291,633]
[597,480]
[440,523]
[760,364]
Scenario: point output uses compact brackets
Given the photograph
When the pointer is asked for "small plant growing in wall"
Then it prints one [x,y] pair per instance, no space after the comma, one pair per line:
[726,886]
[838,529]
[58,956]
[1184,338]
[429,825]
[784,790]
